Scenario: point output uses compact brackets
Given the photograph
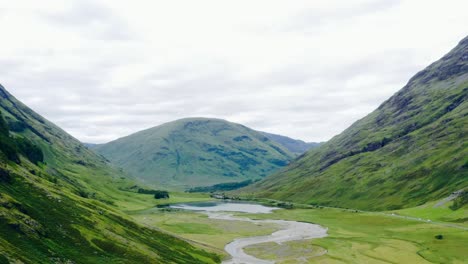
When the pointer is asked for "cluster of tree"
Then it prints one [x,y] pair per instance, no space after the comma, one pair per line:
[229,186]
[158,194]
[161,195]
[12,147]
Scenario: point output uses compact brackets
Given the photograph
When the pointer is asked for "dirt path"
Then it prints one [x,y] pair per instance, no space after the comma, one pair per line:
[290,231]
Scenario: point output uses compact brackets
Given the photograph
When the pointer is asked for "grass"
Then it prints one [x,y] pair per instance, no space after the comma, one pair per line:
[354,237]
[374,238]
[197,227]
[289,252]
[442,213]
[134,202]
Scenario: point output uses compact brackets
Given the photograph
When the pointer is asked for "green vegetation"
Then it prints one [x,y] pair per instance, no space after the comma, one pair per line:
[436,212]
[356,237]
[68,208]
[289,252]
[460,201]
[296,146]
[12,147]
[196,152]
[411,150]
[213,234]
[161,195]
[221,187]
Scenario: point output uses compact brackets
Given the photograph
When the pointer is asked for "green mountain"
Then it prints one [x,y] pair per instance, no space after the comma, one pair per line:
[412,149]
[196,152]
[296,146]
[60,203]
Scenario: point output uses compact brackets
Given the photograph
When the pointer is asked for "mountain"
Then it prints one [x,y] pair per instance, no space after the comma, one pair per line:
[412,149]
[296,146]
[61,203]
[196,152]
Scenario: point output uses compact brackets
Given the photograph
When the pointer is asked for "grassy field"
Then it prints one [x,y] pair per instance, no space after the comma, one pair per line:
[354,237]
[210,233]
[442,213]
[132,202]
[289,252]
[373,238]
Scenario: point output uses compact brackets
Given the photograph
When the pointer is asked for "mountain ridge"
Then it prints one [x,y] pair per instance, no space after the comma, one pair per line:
[296,146]
[363,167]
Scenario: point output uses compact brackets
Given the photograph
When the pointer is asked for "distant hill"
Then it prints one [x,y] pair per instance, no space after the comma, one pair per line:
[90,145]
[61,203]
[196,152]
[296,146]
[412,149]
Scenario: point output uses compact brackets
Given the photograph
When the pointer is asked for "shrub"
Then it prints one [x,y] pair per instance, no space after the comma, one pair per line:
[29,150]
[17,126]
[440,237]
[161,195]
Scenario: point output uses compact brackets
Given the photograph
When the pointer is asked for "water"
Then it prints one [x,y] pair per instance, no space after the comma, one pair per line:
[287,230]
[225,206]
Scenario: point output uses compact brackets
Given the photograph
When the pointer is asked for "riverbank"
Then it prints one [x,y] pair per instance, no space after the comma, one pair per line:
[289,231]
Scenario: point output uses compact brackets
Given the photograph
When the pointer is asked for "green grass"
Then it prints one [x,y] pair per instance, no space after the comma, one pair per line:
[374,238]
[442,213]
[354,237]
[288,252]
[213,234]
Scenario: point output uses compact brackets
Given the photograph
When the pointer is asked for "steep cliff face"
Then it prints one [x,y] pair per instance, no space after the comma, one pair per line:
[412,149]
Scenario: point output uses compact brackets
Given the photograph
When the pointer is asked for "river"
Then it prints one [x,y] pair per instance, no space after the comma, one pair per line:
[289,230]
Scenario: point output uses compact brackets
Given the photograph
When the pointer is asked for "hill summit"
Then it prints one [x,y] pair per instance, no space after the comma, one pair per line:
[196,152]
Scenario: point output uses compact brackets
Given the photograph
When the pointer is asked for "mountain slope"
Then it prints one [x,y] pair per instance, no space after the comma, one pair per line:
[196,152]
[412,149]
[296,146]
[59,202]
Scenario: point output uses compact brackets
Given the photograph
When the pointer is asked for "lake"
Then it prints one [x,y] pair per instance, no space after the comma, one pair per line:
[225,206]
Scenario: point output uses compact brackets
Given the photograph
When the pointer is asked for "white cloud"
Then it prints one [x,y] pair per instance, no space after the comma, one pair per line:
[306,69]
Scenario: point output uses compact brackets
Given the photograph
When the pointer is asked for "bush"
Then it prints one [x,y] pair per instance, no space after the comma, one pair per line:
[17,126]
[29,150]
[440,237]
[11,146]
[161,195]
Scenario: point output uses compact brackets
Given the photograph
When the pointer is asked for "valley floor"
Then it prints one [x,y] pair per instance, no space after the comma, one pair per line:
[353,236]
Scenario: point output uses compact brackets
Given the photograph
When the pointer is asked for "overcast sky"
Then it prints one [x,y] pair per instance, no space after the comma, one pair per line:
[306,69]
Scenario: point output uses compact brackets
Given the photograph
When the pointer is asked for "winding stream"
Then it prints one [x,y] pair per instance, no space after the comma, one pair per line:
[289,230]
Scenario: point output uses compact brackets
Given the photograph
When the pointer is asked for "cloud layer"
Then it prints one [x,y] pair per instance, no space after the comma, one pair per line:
[305,69]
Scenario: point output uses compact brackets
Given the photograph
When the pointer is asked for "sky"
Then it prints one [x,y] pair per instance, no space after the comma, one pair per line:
[307,69]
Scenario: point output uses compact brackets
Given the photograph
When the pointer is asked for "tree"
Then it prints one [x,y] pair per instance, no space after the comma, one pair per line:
[161,195]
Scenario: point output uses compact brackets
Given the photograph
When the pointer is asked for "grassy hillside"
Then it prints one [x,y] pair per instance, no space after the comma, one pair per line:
[196,152]
[60,203]
[411,150]
[296,146]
